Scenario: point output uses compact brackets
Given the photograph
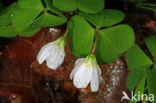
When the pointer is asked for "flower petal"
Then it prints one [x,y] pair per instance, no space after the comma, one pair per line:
[83,76]
[76,67]
[95,80]
[55,58]
[44,52]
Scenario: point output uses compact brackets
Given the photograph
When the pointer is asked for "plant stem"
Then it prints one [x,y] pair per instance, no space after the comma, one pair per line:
[95,42]
[66,32]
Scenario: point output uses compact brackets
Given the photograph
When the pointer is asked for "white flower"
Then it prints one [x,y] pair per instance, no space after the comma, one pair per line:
[86,71]
[53,53]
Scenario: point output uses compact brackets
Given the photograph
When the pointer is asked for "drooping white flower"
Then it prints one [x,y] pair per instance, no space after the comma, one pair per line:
[86,70]
[53,53]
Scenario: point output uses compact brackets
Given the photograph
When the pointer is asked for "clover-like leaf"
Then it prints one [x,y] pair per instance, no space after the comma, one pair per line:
[65,5]
[29,32]
[52,20]
[30,4]
[88,6]
[138,62]
[147,6]
[22,18]
[51,16]
[9,10]
[140,87]
[91,6]
[151,80]
[31,29]
[151,43]
[7,31]
[113,41]
[107,17]
[134,77]
[5,15]
[6,28]
[137,58]
[134,1]
[4,21]
[81,36]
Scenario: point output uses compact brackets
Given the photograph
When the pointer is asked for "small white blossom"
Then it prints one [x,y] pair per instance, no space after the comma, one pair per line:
[53,53]
[86,70]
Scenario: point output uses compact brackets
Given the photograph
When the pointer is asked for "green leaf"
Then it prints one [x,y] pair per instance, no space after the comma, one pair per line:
[88,6]
[151,43]
[141,86]
[6,28]
[6,15]
[52,9]
[139,89]
[30,4]
[32,29]
[52,17]
[113,41]
[134,1]
[151,78]
[22,18]
[9,10]
[133,77]
[153,8]
[52,20]
[107,17]
[7,31]
[29,33]
[65,5]
[81,36]
[91,6]
[137,58]
[4,21]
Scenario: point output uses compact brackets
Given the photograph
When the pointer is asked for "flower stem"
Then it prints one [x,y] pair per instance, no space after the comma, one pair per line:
[95,42]
[66,32]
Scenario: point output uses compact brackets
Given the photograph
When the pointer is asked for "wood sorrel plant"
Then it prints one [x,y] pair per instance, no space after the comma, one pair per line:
[142,65]
[94,33]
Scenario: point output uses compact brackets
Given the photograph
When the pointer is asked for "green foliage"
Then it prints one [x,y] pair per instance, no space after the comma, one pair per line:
[6,28]
[151,78]
[137,61]
[140,68]
[88,6]
[135,1]
[81,36]
[28,17]
[139,89]
[137,58]
[134,76]
[141,86]
[52,16]
[7,31]
[114,41]
[151,43]
[107,17]
[66,5]
[30,4]
[148,6]
[91,6]
[22,18]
